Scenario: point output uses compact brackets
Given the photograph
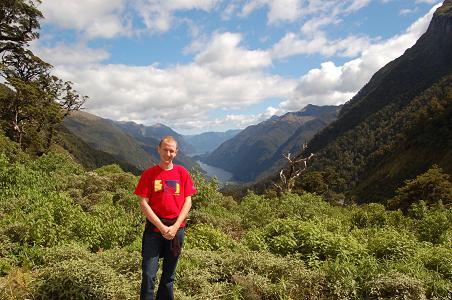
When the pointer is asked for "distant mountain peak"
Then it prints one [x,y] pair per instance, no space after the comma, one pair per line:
[159,125]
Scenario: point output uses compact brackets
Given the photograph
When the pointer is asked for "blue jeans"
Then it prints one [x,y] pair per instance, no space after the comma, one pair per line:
[154,246]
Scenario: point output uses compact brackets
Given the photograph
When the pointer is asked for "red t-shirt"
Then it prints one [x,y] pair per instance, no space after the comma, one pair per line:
[166,189]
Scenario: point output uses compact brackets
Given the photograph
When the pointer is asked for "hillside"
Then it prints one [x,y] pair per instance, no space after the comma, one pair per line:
[148,137]
[101,135]
[89,157]
[155,132]
[68,233]
[208,141]
[399,123]
[259,147]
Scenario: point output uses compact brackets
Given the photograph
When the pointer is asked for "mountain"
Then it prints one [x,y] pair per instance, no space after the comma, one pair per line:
[209,141]
[399,124]
[102,135]
[87,156]
[156,131]
[258,147]
[105,137]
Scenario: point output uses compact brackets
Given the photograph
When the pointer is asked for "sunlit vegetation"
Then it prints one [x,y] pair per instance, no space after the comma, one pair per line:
[67,233]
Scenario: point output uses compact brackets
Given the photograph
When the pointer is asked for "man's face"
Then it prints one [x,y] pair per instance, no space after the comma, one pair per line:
[167,151]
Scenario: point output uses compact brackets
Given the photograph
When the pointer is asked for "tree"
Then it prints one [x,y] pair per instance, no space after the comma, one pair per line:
[19,22]
[36,102]
[295,167]
[432,186]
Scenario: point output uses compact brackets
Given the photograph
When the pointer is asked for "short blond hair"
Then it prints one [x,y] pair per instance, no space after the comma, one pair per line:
[167,138]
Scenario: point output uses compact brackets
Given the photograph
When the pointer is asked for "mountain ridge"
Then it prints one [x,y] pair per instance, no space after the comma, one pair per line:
[359,141]
[252,151]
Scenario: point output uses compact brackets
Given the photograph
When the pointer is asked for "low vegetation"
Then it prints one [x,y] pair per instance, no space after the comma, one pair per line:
[67,233]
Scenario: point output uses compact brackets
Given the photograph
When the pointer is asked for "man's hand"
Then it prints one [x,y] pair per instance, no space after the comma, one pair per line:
[170,232]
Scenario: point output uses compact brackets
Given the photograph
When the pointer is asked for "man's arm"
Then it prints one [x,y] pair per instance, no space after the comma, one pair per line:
[182,216]
[168,232]
[151,216]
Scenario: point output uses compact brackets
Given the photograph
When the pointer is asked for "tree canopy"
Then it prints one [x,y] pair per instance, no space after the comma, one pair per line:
[33,101]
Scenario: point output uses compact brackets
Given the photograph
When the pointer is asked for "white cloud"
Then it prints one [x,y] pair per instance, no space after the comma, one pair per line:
[225,56]
[61,54]
[93,18]
[225,73]
[407,11]
[293,10]
[223,76]
[292,44]
[279,10]
[331,84]
[428,1]
[158,14]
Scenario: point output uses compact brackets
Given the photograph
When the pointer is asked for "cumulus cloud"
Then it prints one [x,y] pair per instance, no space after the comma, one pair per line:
[293,44]
[158,15]
[63,54]
[293,10]
[331,84]
[93,18]
[224,56]
[112,18]
[428,1]
[181,95]
[225,73]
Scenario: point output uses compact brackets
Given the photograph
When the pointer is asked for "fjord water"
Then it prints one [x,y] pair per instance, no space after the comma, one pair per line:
[222,175]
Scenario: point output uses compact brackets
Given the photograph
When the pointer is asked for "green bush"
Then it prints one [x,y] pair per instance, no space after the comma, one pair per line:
[257,211]
[80,279]
[391,243]
[434,225]
[207,189]
[309,239]
[395,286]
[304,207]
[238,275]
[432,186]
[207,237]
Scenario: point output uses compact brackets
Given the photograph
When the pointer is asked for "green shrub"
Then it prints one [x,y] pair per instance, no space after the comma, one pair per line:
[56,163]
[109,169]
[257,211]
[221,213]
[207,189]
[304,207]
[80,279]
[207,237]
[391,243]
[438,259]
[432,186]
[238,275]
[434,225]
[395,286]
[309,239]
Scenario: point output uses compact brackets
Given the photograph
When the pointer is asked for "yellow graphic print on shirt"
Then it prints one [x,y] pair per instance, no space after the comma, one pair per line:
[172,186]
[158,185]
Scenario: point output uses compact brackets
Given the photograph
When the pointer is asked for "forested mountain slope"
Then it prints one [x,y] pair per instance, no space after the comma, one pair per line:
[148,137]
[132,151]
[399,124]
[155,132]
[208,141]
[258,148]
[101,135]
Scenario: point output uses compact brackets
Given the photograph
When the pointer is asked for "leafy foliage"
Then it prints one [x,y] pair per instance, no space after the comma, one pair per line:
[432,187]
[70,233]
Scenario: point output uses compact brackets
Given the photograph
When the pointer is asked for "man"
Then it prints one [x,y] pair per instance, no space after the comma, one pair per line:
[165,192]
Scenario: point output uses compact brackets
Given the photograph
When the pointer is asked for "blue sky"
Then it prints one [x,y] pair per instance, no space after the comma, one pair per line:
[212,65]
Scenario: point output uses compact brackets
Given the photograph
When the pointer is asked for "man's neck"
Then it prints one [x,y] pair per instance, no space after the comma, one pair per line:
[166,166]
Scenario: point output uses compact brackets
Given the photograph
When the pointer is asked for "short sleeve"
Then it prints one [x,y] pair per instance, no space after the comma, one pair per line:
[143,188]
[189,187]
